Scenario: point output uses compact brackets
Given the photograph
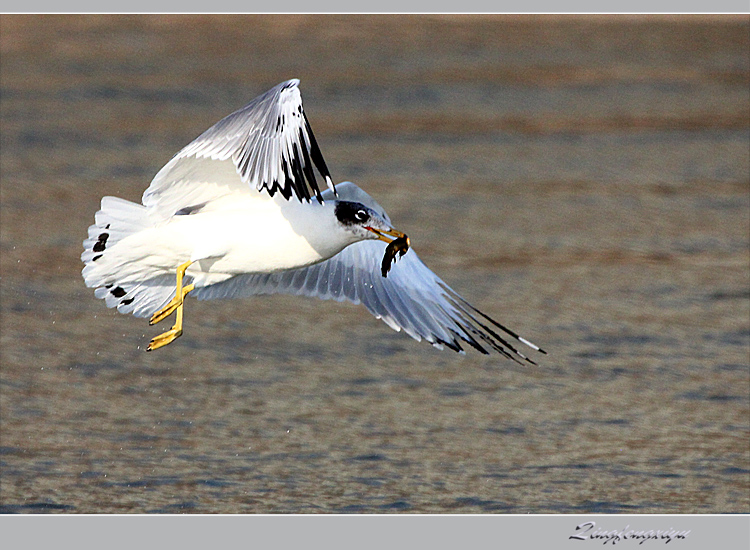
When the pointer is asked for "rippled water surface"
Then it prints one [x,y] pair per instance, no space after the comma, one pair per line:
[583,180]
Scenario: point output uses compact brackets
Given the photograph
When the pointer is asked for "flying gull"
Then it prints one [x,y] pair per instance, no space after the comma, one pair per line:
[238,212]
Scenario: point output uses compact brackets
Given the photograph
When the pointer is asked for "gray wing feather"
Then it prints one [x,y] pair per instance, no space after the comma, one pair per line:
[270,143]
[412,298]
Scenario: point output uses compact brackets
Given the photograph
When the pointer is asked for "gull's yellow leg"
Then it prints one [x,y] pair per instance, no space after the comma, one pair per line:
[179,297]
[177,303]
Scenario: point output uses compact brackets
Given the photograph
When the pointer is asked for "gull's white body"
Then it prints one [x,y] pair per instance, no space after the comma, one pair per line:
[230,236]
[239,240]
[236,203]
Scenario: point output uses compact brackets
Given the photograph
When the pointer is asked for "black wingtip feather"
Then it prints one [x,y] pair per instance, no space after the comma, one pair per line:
[309,173]
[491,320]
[315,154]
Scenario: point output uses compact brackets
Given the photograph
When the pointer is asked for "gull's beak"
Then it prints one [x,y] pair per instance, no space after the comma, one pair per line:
[383,235]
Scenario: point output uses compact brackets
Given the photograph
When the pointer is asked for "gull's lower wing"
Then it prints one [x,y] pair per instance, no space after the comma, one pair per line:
[269,142]
[411,298]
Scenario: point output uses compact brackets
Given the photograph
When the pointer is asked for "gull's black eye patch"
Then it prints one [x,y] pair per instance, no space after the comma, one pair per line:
[350,213]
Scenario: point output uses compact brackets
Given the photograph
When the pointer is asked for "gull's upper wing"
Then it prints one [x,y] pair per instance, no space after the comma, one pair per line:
[411,298]
[269,142]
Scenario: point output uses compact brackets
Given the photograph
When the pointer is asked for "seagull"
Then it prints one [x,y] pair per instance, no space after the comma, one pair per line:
[238,212]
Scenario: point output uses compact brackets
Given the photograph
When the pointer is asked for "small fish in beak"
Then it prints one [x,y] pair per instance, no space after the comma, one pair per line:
[398,246]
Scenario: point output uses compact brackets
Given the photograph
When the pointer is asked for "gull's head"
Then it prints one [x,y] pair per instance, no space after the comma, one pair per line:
[364,222]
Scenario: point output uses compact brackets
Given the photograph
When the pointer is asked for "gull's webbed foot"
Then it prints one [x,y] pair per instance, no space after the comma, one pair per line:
[165,338]
[167,310]
[176,304]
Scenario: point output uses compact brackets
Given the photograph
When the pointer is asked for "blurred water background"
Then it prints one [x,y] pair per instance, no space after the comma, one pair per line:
[584,180]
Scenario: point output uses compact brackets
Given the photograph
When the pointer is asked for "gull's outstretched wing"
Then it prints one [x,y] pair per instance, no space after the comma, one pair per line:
[411,298]
[269,142]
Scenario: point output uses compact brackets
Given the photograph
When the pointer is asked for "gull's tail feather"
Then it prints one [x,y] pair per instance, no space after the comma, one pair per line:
[128,285]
